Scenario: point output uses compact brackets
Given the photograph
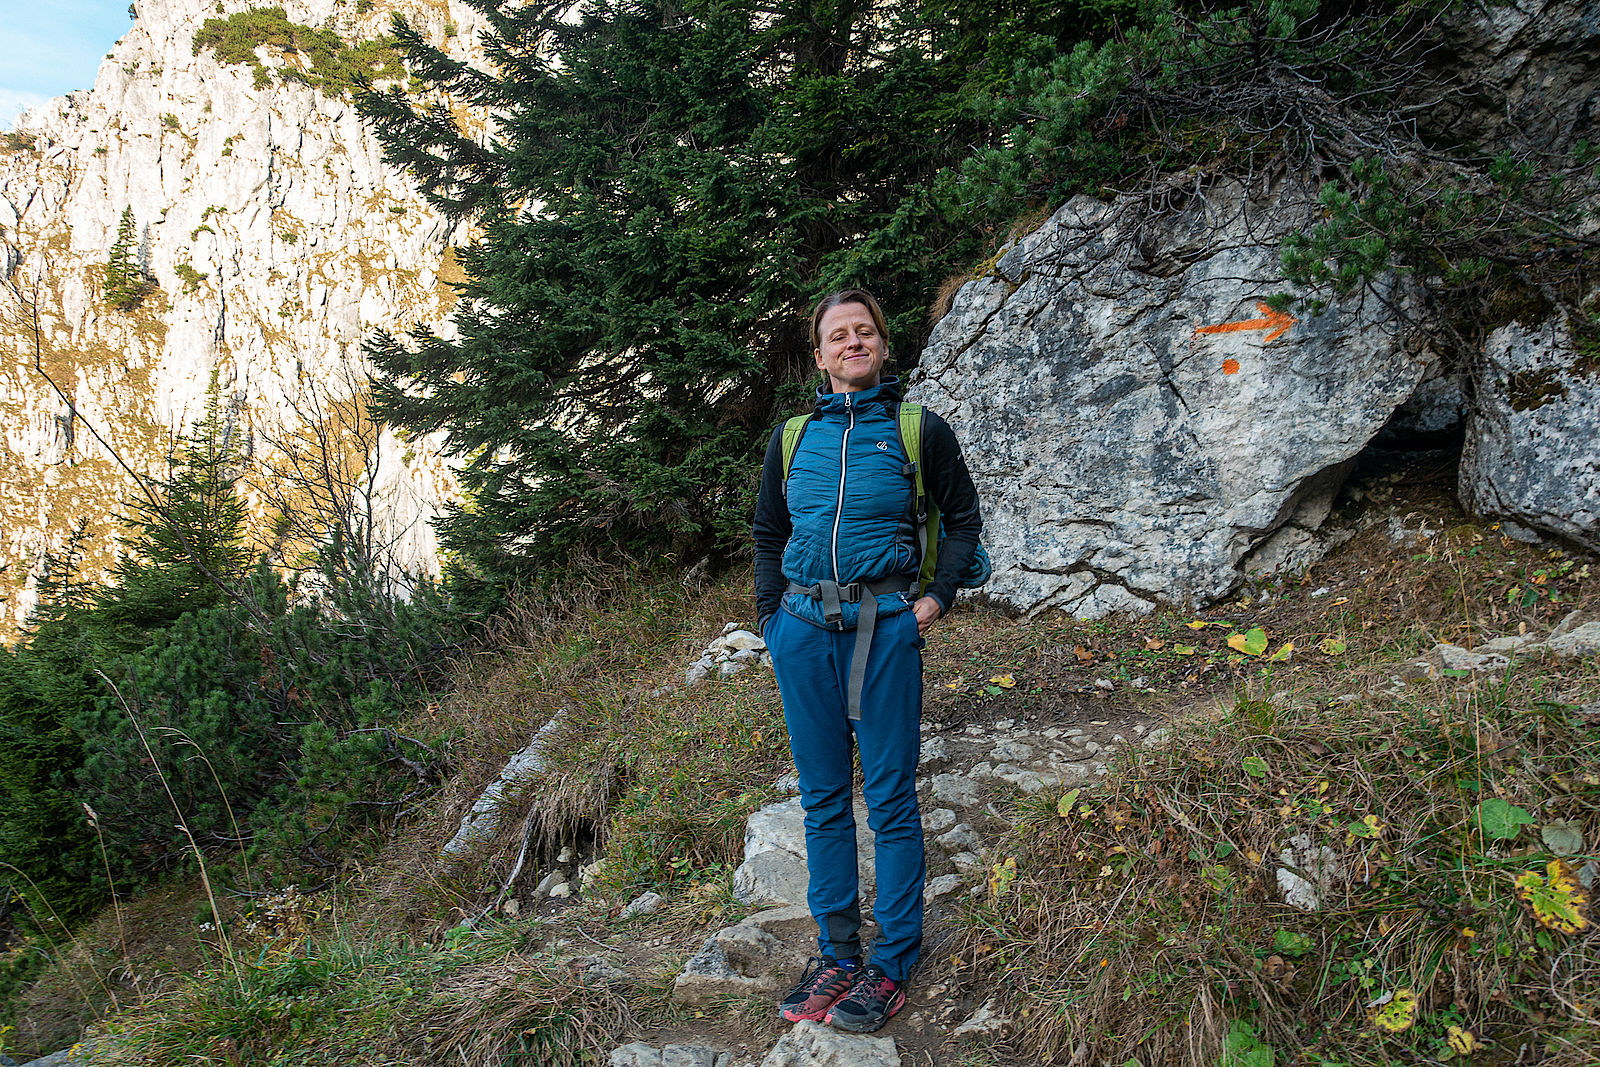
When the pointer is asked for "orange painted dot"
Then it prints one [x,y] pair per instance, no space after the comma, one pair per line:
[1230,366]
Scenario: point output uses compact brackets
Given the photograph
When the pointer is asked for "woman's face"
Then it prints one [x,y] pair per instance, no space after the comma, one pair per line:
[853,349]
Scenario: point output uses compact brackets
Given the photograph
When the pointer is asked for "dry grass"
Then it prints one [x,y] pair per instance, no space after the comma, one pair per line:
[1148,918]
[1145,924]
[531,1010]
[656,776]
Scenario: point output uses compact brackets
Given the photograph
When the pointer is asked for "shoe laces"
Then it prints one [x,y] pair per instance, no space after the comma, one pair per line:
[825,972]
[873,983]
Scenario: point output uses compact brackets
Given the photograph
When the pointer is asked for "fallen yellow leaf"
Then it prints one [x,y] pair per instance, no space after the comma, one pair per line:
[1462,1042]
[1557,900]
[1064,805]
[1252,642]
[1397,1012]
[1001,877]
[1004,681]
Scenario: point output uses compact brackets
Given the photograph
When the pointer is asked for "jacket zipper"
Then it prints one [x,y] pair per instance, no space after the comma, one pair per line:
[838,511]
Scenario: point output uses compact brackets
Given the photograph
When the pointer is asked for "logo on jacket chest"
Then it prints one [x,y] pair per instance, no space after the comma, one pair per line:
[883,446]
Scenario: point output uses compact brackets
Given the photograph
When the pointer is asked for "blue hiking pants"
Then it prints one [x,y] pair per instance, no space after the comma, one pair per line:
[813,669]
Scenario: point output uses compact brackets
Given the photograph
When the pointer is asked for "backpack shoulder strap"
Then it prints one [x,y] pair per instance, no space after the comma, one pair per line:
[910,423]
[793,429]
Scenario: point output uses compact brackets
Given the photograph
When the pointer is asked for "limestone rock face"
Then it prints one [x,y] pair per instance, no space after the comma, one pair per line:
[737,961]
[1530,68]
[277,241]
[1138,419]
[1533,442]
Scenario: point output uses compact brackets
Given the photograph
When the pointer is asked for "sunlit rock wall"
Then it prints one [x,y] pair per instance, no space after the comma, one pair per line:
[278,241]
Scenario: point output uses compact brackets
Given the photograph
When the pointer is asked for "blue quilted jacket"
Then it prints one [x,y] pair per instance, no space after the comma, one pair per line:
[849,499]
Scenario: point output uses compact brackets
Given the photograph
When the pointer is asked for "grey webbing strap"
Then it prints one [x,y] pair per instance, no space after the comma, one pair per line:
[858,660]
[866,594]
[831,610]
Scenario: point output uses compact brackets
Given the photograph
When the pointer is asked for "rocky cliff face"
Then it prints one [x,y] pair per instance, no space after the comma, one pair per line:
[275,241]
[1139,419]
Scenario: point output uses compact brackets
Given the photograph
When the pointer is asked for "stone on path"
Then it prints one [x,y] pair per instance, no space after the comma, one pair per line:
[960,838]
[639,1054]
[1308,873]
[1580,641]
[955,789]
[776,878]
[738,960]
[774,867]
[811,1044]
[784,922]
[67,1057]
[1456,658]
[985,1022]
[728,654]
[643,904]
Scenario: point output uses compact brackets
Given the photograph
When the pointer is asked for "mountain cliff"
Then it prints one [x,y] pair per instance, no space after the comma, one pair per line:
[269,240]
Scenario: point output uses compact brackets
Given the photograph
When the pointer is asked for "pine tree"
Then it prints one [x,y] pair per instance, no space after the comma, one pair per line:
[46,683]
[668,190]
[125,280]
[186,543]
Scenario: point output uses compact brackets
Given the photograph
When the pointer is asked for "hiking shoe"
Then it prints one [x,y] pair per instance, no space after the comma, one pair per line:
[824,982]
[873,999]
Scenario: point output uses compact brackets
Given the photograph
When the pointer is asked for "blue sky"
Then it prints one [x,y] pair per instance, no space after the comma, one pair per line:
[49,47]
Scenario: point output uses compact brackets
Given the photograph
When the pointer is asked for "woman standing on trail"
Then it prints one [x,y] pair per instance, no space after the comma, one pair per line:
[837,558]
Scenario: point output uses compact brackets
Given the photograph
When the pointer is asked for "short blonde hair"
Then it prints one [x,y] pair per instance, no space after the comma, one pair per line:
[847,296]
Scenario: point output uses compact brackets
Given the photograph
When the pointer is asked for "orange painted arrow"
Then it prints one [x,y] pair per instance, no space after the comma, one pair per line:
[1276,321]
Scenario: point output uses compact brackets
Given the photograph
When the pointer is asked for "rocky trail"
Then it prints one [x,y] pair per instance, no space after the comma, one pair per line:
[972,773]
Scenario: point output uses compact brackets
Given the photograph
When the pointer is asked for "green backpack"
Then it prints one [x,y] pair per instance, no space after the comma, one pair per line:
[929,533]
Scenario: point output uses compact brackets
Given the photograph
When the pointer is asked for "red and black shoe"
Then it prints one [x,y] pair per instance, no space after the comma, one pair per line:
[873,999]
[825,981]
